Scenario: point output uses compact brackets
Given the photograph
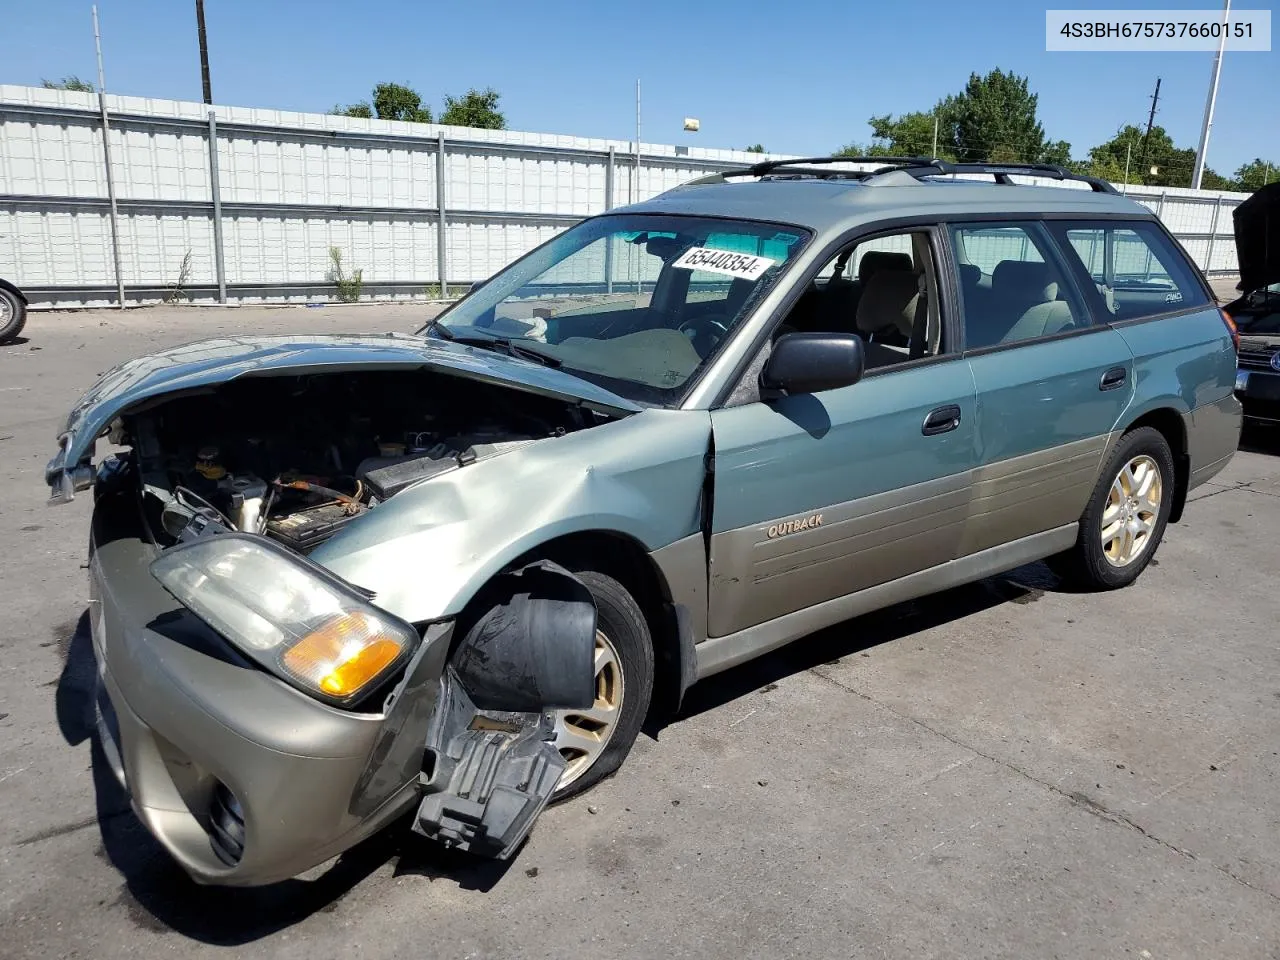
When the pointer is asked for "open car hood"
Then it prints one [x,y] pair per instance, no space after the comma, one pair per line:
[210,362]
[1257,229]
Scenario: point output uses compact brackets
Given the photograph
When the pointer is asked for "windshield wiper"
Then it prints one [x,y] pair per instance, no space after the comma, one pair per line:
[497,344]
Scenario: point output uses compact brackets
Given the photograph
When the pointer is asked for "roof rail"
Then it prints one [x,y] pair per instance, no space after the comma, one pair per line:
[1002,171]
[803,166]
[918,167]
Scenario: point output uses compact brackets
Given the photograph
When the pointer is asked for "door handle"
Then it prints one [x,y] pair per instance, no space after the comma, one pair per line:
[1113,378]
[941,420]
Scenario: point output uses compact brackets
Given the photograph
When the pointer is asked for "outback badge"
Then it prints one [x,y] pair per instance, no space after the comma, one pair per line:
[795,526]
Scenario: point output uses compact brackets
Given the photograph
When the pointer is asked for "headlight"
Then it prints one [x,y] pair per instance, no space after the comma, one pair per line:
[293,617]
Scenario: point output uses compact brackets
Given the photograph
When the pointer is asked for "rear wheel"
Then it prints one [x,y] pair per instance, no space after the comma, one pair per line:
[595,741]
[13,314]
[1126,517]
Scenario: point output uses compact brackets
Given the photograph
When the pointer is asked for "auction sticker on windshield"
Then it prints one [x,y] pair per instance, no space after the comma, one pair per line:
[730,264]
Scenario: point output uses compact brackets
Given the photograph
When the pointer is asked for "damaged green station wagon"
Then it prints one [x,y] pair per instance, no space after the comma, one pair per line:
[338,579]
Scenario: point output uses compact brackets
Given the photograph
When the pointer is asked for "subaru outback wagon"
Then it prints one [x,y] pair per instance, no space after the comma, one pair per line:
[340,579]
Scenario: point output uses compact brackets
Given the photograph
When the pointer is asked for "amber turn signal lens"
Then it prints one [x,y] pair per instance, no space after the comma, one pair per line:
[1231,326]
[344,655]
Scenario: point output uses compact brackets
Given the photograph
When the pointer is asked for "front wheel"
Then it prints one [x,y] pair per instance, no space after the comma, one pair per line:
[595,741]
[1126,516]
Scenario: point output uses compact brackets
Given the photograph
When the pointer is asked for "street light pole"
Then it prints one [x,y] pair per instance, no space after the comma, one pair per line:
[1198,176]
[204,53]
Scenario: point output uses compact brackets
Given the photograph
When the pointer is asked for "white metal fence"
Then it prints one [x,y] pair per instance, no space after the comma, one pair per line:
[410,205]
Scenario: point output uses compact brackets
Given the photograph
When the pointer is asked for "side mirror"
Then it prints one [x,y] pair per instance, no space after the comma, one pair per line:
[810,362]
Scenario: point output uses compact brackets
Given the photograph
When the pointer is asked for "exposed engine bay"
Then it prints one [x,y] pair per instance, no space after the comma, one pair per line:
[297,458]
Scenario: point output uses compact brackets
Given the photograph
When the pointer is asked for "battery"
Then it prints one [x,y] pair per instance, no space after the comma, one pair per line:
[306,529]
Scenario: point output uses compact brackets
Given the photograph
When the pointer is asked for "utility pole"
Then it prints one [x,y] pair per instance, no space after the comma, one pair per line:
[204,53]
[106,156]
[935,136]
[1151,119]
[1198,176]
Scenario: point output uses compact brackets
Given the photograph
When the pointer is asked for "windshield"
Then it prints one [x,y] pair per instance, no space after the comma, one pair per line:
[635,303]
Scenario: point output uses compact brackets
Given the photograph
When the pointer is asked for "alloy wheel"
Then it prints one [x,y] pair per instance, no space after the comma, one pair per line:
[582,735]
[1132,511]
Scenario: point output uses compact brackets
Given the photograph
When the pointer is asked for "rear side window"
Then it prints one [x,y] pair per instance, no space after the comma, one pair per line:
[1136,270]
[1011,288]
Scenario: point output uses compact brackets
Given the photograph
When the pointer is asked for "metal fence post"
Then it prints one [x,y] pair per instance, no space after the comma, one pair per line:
[219,265]
[1213,232]
[441,263]
[106,157]
[608,205]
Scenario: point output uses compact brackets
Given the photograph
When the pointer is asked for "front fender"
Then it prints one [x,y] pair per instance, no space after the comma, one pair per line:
[426,551]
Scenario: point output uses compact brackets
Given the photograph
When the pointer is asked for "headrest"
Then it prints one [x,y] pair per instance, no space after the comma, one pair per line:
[970,274]
[1025,280]
[889,302]
[875,260]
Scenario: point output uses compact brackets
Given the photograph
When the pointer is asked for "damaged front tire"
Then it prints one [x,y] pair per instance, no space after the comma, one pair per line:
[594,741]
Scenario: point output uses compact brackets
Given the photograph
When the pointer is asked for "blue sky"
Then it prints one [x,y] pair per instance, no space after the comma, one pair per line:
[798,77]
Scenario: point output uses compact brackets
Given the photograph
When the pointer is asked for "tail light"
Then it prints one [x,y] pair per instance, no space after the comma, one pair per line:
[1231,328]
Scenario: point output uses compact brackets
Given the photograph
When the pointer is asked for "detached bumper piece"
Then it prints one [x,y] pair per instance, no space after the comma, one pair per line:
[494,773]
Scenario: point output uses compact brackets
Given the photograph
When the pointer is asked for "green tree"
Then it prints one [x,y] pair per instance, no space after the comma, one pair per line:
[475,108]
[393,101]
[911,134]
[361,109]
[1057,151]
[1212,180]
[1256,174]
[69,83]
[1174,165]
[756,148]
[994,119]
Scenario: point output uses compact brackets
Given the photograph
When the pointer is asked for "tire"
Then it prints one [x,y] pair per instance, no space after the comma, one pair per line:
[13,315]
[1098,563]
[624,632]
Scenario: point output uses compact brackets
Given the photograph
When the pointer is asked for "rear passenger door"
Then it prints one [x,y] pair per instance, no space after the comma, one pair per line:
[1052,382]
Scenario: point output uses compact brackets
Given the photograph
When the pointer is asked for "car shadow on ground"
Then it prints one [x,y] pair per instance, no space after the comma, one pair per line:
[1023,585]
[158,895]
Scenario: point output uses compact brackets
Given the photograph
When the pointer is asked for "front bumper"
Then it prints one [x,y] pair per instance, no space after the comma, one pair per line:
[184,720]
[1259,391]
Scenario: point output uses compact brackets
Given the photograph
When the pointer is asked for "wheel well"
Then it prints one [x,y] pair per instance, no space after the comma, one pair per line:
[627,561]
[1169,422]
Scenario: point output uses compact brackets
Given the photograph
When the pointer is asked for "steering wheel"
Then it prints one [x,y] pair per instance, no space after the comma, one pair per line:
[706,333]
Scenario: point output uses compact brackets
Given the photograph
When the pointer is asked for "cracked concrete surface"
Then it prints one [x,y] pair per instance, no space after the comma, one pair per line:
[1002,770]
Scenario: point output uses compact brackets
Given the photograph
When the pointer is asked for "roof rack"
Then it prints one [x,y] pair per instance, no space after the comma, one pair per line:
[918,167]
[805,167]
[1002,171]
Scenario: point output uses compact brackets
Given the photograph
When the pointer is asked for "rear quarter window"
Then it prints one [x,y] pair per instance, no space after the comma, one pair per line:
[1134,267]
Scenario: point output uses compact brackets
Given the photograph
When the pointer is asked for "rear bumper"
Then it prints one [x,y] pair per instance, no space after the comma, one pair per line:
[183,720]
[1213,434]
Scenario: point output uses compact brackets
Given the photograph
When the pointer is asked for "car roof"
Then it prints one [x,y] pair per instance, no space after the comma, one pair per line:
[835,205]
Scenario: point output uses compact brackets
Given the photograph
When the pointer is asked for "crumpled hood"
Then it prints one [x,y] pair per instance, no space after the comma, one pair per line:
[1257,229]
[210,362]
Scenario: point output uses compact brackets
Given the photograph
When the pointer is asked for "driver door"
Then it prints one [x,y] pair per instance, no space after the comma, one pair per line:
[817,496]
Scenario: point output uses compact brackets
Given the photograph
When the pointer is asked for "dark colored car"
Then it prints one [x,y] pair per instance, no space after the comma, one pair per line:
[1257,312]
